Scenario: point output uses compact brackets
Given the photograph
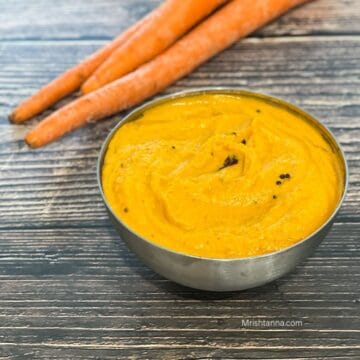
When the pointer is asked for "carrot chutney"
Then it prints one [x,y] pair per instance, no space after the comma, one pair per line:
[221,176]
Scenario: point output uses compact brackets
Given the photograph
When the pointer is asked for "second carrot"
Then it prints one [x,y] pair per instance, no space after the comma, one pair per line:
[173,19]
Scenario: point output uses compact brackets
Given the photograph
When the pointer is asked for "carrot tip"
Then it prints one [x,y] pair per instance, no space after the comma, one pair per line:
[29,141]
[13,118]
[30,145]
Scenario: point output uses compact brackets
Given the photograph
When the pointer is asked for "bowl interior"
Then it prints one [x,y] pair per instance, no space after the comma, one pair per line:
[322,129]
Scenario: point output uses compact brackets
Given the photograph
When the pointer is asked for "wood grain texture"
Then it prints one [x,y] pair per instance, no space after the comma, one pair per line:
[70,289]
[83,290]
[36,20]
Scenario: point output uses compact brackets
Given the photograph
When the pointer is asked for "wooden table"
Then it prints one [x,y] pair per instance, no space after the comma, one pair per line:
[69,289]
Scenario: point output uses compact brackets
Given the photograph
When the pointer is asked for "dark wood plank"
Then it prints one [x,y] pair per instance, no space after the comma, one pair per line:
[48,351]
[21,20]
[82,290]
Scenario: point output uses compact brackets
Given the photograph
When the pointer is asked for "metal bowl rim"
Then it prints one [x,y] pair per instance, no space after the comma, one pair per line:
[209,89]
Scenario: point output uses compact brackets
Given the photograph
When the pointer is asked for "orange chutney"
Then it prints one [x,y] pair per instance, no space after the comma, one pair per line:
[221,176]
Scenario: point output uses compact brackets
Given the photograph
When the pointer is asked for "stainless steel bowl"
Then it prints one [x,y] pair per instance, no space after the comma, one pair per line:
[221,274]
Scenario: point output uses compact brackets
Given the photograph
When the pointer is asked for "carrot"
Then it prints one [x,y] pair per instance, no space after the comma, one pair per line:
[174,18]
[70,80]
[235,20]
